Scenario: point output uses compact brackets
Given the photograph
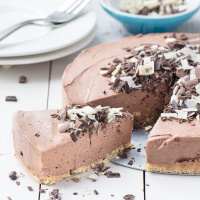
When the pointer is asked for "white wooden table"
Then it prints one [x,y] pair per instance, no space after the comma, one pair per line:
[43,91]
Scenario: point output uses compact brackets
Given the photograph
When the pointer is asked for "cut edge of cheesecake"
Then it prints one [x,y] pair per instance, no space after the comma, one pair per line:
[51,179]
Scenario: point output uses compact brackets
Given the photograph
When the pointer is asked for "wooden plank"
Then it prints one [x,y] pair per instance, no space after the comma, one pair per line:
[31,96]
[165,187]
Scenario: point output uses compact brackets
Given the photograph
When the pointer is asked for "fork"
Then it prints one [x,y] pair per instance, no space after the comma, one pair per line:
[63,14]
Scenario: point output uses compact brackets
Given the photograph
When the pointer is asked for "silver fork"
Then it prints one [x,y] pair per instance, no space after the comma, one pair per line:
[63,14]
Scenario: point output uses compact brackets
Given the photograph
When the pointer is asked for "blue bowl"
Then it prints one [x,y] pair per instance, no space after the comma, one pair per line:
[148,24]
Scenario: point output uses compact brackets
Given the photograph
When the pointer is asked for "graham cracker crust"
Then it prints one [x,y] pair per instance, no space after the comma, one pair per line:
[186,167]
[51,179]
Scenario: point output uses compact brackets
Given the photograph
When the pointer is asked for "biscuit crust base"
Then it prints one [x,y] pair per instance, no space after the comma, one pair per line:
[186,167]
[51,179]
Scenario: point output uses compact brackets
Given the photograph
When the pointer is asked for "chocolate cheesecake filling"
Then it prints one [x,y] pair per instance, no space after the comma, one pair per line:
[138,78]
[70,141]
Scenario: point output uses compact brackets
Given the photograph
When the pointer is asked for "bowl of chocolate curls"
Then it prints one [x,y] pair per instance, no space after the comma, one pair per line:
[151,16]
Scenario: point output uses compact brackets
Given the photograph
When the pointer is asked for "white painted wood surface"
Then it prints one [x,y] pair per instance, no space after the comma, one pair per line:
[43,90]
[130,182]
[31,96]
[171,187]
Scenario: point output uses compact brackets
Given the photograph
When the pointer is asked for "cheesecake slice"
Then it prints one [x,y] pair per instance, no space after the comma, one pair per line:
[174,147]
[53,144]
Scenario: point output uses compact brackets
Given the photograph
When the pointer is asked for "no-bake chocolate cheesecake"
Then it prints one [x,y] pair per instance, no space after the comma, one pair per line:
[52,144]
[146,75]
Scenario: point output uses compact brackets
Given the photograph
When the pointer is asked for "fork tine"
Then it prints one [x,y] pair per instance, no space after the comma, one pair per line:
[77,6]
[66,5]
[80,7]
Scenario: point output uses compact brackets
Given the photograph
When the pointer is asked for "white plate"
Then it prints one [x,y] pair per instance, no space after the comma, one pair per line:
[49,56]
[34,39]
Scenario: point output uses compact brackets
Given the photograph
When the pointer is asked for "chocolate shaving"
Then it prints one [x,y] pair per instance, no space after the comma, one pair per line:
[22,79]
[17,183]
[101,168]
[179,45]
[130,162]
[42,191]
[30,188]
[95,192]
[54,115]
[55,193]
[123,154]
[157,65]
[75,179]
[13,175]
[111,69]
[110,174]
[73,136]
[120,85]
[104,68]
[129,197]
[37,135]
[11,98]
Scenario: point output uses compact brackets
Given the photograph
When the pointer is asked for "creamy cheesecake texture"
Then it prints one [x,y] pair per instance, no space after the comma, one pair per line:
[126,74]
[51,154]
[174,147]
[84,75]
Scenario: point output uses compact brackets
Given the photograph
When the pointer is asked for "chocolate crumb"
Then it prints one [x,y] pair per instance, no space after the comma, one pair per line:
[30,188]
[55,193]
[130,162]
[123,154]
[112,195]
[95,192]
[101,168]
[139,150]
[11,98]
[129,197]
[17,182]
[110,174]
[22,79]
[13,175]
[75,179]
[9,198]
[75,193]
[37,135]
[42,191]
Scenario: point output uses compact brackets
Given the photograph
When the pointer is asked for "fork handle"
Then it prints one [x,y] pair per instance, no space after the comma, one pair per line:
[5,33]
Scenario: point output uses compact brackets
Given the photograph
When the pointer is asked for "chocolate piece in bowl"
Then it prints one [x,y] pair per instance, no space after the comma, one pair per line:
[76,140]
